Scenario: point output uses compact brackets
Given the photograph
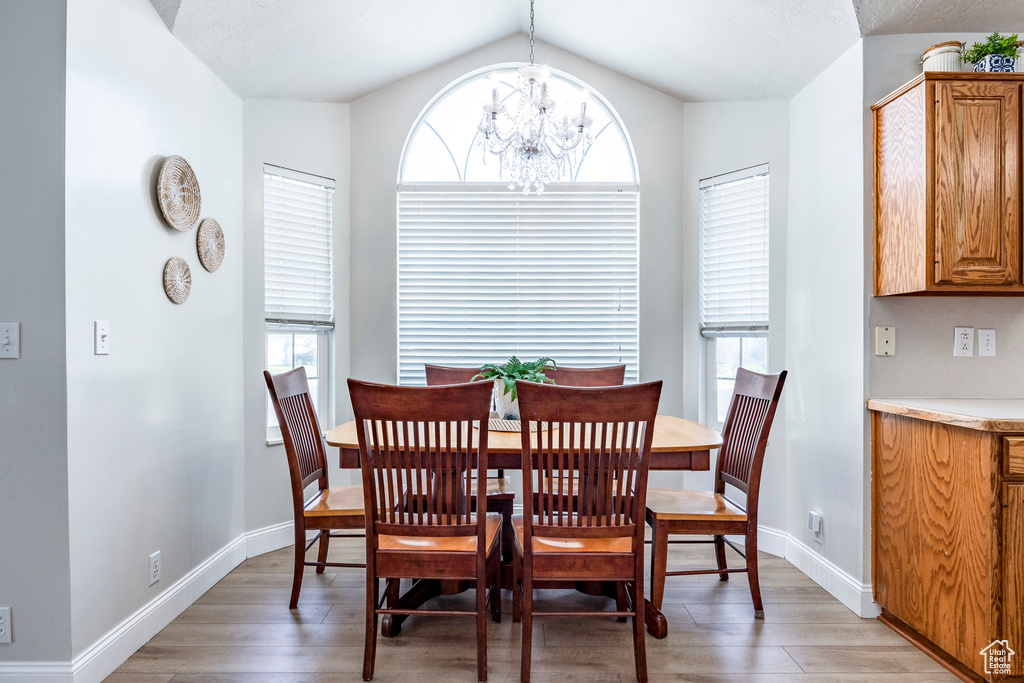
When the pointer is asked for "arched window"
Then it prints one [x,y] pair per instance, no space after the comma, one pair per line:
[485,273]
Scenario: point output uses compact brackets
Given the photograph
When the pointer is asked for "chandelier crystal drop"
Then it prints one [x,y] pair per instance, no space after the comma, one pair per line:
[535,146]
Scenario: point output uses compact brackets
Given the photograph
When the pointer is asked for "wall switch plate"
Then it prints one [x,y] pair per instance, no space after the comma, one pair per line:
[963,341]
[885,341]
[101,335]
[154,567]
[6,628]
[986,342]
[10,340]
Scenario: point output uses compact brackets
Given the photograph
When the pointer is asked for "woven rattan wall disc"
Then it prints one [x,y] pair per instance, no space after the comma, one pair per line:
[177,279]
[210,244]
[178,193]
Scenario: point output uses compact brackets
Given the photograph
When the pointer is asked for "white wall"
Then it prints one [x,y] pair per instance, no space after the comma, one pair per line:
[827,451]
[721,137]
[34,574]
[314,138]
[155,456]
[380,123]
[924,363]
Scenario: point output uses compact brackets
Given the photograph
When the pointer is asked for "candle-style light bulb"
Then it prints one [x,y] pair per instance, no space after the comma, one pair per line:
[494,88]
[583,102]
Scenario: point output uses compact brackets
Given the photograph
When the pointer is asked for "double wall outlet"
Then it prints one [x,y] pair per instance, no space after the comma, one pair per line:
[5,626]
[963,342]
[154,567]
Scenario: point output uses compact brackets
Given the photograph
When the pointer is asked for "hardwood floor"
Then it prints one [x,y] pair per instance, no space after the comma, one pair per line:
[241,630]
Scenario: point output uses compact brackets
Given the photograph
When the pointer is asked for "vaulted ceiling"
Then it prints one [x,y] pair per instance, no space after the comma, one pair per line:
[696,50]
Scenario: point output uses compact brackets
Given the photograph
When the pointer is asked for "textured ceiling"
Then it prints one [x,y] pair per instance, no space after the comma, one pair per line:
[934,16]
[696,50]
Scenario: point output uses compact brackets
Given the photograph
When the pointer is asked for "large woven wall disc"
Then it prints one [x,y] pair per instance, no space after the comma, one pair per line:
[178,193]
[210,244]
[177,279]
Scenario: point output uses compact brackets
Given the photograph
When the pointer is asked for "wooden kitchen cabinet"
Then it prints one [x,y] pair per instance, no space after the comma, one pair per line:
[948,527]
[947,195]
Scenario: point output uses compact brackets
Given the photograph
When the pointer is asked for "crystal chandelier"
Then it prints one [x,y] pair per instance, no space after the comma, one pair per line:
[534,146]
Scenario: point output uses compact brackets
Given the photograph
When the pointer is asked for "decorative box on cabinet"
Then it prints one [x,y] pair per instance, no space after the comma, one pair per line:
[947,529]
[947,186]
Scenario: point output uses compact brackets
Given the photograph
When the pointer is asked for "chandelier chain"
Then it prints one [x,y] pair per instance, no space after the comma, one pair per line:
[531,31]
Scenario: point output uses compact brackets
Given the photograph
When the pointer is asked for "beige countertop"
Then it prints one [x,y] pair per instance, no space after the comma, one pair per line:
[986,414]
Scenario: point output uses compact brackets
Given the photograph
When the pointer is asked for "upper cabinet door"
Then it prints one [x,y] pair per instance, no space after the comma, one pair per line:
[977,193]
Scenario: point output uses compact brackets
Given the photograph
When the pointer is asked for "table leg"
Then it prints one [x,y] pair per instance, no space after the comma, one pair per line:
[657,624]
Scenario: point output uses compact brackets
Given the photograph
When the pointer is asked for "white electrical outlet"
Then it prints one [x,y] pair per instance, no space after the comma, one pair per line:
[815,524]
[154,567]
[986,342]
[885,341]
[101,338]
[6,628]
[963,341]
[10,340]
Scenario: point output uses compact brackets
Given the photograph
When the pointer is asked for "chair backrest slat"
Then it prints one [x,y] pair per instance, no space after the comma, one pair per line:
[420,449]
[745,433]
[600,437]
[446,374]
[609,376]
[300,429]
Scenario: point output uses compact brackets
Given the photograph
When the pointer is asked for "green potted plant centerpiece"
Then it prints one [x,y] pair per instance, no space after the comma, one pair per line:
[505,375]
[997,54]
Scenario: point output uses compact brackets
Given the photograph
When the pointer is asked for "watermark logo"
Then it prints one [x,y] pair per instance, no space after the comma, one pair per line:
[997,657]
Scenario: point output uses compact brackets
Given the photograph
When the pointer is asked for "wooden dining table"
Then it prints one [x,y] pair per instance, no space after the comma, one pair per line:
[678,445]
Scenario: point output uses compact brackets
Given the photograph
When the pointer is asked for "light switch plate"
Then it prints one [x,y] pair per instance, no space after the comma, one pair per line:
[963,341]
[885,341]
[10,340]
[101,334]
[986,342]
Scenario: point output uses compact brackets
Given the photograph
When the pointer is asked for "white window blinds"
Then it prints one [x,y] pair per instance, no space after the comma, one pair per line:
[734,254]
[297,243]
[484,274]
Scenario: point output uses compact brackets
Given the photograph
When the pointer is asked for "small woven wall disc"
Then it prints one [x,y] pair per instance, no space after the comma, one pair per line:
[177,279]
[210,244]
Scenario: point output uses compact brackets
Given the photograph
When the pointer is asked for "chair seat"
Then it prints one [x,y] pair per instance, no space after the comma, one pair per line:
[443,544]
[672,505]
[337,501]
[542,545]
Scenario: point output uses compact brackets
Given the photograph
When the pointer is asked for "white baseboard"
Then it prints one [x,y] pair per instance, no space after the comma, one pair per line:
[109,652]
[843,587]
[35,672]
[846,589]
[269,538]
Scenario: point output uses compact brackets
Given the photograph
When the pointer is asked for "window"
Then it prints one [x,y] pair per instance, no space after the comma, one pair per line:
[298,280]
[733,280]
[485,273]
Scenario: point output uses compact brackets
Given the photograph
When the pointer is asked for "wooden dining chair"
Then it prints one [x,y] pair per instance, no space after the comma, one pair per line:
[669,512]
[501,496]
[448,374]
[603,437]
[336,508]
[609,376]
[419,449]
